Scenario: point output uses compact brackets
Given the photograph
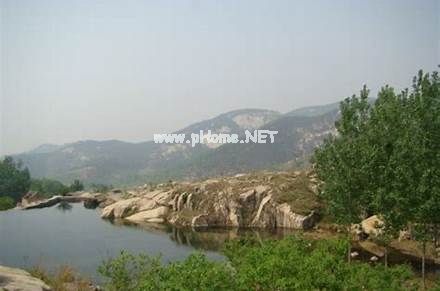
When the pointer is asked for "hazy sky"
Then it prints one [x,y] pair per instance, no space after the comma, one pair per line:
[73,70]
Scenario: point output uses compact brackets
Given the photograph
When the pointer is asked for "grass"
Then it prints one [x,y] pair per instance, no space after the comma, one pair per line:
[297,193]
[64,279]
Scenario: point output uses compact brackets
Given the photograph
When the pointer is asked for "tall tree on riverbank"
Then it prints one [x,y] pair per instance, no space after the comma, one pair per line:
[386,159]
[337,164]
[14,179]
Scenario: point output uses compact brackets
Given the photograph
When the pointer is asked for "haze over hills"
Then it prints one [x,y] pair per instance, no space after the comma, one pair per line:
[124,163]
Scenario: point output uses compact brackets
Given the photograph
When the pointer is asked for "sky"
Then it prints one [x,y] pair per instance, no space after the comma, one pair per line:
[76,70]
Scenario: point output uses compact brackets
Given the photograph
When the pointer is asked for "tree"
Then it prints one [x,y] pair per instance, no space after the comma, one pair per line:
[337,163]
[386,159]
[14,179]
[48,187]
[76,186]
[6,203]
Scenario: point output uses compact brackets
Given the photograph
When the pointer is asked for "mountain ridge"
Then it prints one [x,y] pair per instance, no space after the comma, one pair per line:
[127,163]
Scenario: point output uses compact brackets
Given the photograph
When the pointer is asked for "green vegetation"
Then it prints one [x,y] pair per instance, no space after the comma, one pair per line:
[101,188]
[77,185]
[64,277]
[293,263]
[386,160]
[14,182]
[6,203]
[48,187]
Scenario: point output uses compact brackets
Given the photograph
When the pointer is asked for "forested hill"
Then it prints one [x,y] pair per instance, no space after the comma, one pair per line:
[123,163]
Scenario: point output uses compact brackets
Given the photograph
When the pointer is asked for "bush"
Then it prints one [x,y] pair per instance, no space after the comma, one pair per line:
[293,263]
[101,188]
[76,186]
[14,179]
[130,272]
[48,187]
[6,203]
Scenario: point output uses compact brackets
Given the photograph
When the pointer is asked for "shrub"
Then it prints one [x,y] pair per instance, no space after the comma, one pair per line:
[141,272]
[6,203]
[293,263]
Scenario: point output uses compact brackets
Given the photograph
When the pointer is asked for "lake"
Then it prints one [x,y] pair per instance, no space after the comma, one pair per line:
[75,236]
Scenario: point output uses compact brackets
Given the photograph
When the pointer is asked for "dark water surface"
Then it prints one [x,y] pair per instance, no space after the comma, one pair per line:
[75,236]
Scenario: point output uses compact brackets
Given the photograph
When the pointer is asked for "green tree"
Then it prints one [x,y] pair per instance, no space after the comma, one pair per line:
[14,179]
[48,187]
[76,186]
[337,164]
[6,203]
[386,160]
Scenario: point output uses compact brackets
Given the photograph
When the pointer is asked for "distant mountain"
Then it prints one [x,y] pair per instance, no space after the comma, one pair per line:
[314,110]
[123,163]
[45,148]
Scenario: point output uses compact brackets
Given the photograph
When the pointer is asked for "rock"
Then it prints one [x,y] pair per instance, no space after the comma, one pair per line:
[285,217]
[44,203]
[91,203]
[120,209]
[201,220]
[154,215]
[260,190]
[371,226]
[234,218]
[248,197]
[239,175]
[30,198]
[404,235]
[374,259]
[264,216]
[354,254]
[12,279]
[214,202]
[189,200]
[106,202]
[181,201]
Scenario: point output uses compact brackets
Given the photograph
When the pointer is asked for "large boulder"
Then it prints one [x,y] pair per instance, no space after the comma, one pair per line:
[12,279]
[156,215]
[372,225]
[286,218]
[121,208]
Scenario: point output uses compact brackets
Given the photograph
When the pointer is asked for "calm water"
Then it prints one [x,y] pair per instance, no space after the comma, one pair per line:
[78,237]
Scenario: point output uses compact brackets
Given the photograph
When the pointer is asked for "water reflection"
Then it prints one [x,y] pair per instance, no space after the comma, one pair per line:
[64,206]
[210,239]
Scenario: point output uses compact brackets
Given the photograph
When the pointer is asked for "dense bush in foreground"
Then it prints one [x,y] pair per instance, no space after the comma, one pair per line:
[289,264]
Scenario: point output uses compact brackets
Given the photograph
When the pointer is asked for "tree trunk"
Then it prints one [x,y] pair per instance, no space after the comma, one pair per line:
[423,264]
[386,257]
[349,245]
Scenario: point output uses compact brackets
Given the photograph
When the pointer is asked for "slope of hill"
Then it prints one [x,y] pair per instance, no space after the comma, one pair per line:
[123,163]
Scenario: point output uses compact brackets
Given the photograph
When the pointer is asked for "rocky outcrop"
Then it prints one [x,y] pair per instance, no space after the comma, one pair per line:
[264,200]
[372,225]
[12,279]
[79,197]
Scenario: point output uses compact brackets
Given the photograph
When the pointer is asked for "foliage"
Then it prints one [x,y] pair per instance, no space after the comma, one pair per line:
[101,188]
[76,186]
[386,159]
[59,280]
[293,263]
[6,203]
[14,179]
[142,272]
[48,187]
[339,162]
